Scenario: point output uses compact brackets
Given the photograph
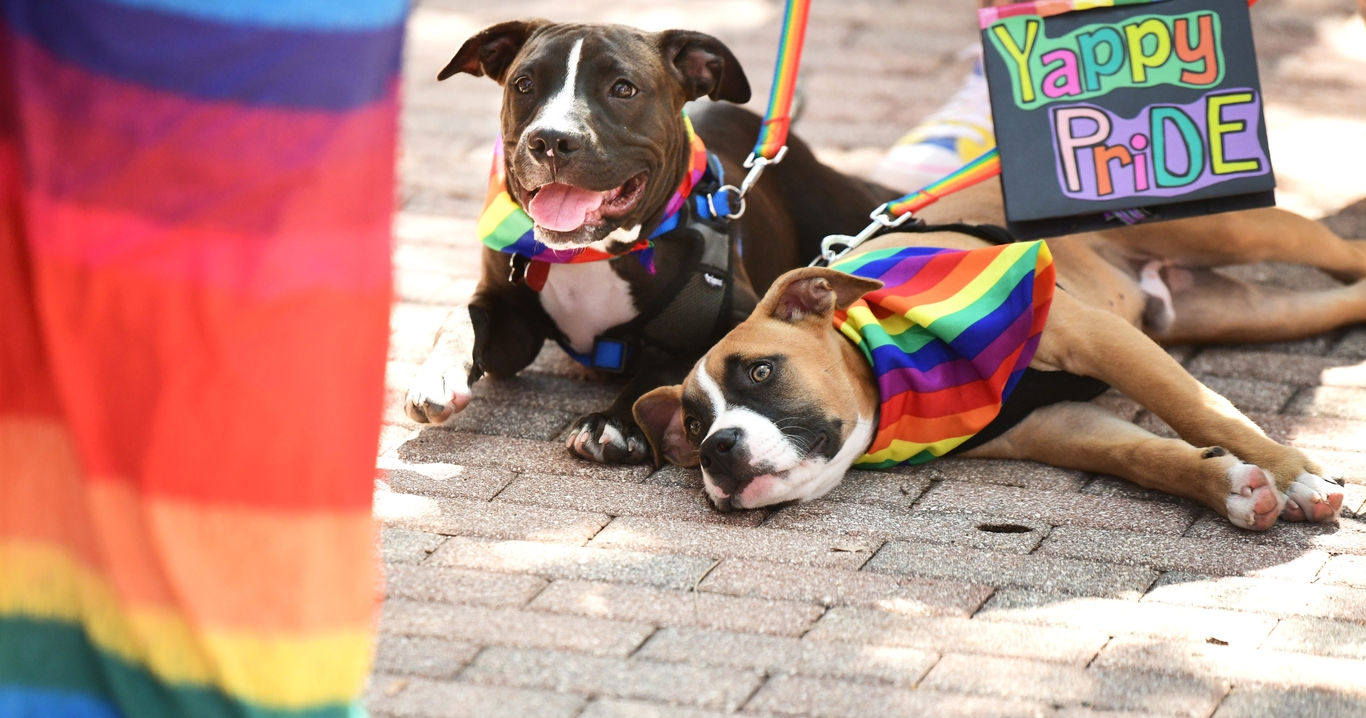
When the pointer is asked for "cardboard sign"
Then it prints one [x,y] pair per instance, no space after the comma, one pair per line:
[1140,111]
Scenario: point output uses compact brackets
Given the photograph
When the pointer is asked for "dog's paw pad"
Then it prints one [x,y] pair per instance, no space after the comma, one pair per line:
[1312,498]
[435,396]
[608,440]
[1253,501]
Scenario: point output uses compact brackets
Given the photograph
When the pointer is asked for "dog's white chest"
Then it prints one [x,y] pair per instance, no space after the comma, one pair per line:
[585,300]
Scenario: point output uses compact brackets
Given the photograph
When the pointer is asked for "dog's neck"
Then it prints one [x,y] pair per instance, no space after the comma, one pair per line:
[861,379]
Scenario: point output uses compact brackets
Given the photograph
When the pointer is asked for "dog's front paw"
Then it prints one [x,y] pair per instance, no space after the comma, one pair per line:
[1312,498]
[439,391]
[607,439]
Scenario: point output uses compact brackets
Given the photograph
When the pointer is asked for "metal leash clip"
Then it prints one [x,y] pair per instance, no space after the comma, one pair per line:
[756,165]
[881,220]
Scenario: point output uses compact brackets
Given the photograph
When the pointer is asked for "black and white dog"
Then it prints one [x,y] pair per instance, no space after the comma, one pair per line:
[595,145]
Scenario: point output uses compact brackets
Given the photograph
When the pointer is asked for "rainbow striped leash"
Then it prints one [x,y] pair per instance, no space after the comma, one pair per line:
[771,146]
[506,227]
[896,212]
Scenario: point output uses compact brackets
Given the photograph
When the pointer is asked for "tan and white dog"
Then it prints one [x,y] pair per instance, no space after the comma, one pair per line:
[780,408]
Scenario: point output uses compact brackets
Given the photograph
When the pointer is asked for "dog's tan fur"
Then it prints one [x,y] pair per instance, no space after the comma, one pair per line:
[1096,328]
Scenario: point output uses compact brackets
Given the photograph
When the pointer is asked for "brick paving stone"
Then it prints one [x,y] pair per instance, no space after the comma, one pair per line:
[1048,573]
[1330,401]
[1350,466]
[672,475]
[1113,486]
[708,687]
[1320,637]
[1116,617]
[1344,570]
[962,635]
[511,420]
[693,539]
[1314,432]
[432,583]
[501,520]
[1234,664]
[1285,369]
[1277,598]
[1352,345]
[1348,535]
[831,587]
[1258,702]
[611,708]
[1174,553]
[620,499]
[419,698]
[879,487]
[448,480]
[661,607]
[570,562]
[1249,395]
[880,523]
[424,657]
[1062,685]
[512,627]
[1058,508]
[798,695]
[432,446]
[777,655]
[402,546]
[1024,474]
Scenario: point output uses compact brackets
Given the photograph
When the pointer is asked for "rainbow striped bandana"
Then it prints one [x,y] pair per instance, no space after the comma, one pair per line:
[506,227]
[948,337]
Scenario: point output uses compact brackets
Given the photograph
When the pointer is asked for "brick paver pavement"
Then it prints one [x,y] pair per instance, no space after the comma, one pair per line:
[521,582]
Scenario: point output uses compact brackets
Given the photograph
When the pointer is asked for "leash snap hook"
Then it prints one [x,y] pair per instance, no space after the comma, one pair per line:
[881,216]
[756,164]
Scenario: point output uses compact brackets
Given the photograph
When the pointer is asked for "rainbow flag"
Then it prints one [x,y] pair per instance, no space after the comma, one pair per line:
[1048,8]
[948,338]
[195,208]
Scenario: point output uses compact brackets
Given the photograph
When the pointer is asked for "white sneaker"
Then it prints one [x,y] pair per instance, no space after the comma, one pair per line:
[956,134]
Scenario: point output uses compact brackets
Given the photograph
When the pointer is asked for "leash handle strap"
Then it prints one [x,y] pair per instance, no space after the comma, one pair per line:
[778,118]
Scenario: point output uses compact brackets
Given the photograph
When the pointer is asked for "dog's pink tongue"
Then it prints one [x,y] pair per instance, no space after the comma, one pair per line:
[561,207]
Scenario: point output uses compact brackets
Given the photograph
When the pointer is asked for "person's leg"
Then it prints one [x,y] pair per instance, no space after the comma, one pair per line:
[957,133]
[194,296]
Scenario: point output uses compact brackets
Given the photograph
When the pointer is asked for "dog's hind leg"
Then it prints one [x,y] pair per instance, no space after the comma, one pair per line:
[1210,308]
[1096,343]
[1090,438]
[1258,235]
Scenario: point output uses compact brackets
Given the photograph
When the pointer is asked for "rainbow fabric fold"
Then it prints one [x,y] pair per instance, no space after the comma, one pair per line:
[195,210]
[1048,8]
[948,338]
[505,227]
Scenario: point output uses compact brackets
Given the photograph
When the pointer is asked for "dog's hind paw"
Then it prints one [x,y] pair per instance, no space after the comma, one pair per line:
[1312,498]
[608,440]
[1253,501]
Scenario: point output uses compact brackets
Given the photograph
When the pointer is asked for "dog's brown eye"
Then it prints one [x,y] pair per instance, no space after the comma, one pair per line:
[760,371]
[523,85]
[623,89]
[694,426]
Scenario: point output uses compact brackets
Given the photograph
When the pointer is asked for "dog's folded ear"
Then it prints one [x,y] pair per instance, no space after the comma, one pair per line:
[491,51]
[704,66]
[660,414]
[813,293]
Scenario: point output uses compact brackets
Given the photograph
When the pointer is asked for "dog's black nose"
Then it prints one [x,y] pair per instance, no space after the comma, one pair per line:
[545,143]
[719,448]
